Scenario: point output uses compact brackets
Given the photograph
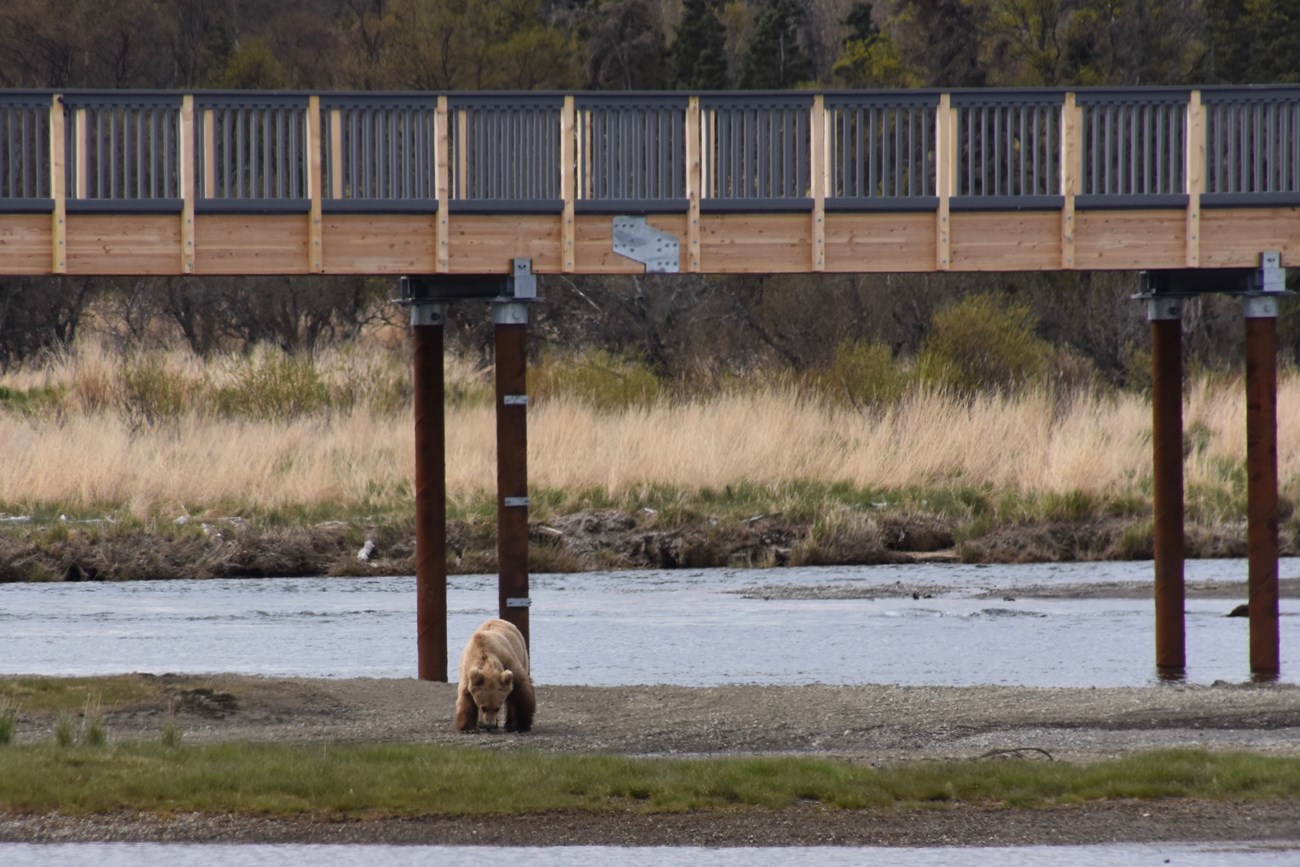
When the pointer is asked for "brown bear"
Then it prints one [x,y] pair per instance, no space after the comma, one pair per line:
[494,674]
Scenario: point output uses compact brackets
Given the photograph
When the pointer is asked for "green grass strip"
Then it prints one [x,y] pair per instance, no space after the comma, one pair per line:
[397,780]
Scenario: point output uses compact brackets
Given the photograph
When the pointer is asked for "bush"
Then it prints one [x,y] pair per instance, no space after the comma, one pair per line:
[863,373]
[598,379]
[274,388]
[984,340]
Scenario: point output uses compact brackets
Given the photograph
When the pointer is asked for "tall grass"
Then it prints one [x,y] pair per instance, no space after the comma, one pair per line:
[161,435]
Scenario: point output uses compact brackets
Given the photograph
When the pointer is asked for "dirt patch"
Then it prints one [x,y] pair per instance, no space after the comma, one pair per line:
[872,724]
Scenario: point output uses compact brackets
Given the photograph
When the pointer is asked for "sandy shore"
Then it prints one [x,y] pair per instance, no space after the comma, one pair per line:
[872,724]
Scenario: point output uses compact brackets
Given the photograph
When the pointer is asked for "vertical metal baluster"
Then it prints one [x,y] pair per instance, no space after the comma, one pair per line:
[1271,165]
[1257,135]
[351,188]
[875,152]
[237,135]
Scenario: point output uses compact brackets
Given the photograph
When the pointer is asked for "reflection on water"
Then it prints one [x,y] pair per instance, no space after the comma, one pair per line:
[919,624]
[178,855]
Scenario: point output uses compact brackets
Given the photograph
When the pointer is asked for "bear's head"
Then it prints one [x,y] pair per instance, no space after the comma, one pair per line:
[490,686]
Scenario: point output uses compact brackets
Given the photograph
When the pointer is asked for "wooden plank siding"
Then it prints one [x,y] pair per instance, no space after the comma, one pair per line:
[681,178]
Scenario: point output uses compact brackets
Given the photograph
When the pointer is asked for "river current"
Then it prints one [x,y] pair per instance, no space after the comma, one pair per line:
[915,624]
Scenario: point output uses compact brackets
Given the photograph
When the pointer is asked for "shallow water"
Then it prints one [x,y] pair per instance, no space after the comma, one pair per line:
[667,626]
[179,855]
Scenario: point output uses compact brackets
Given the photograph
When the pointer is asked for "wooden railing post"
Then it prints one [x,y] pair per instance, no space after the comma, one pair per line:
[314,180]
[1195,176]
[817,166]
[58,190]
[1071,154]
[945,166]
[568,191]
[185,169]
[693,184]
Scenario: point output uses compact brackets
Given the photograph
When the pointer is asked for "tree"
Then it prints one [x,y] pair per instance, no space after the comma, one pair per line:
[700,50]
[868,57]
[626,49]
[776,54]
[941,41]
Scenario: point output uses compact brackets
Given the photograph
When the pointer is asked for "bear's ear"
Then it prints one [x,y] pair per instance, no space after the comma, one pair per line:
[476,677]
[507,678]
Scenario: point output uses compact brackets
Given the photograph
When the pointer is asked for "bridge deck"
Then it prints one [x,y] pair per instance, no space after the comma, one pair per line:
[128,182]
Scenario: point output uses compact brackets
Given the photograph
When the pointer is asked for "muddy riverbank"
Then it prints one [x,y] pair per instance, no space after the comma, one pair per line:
[227,547]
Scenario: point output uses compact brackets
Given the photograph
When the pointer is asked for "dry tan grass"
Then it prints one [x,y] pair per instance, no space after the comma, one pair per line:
[93,456]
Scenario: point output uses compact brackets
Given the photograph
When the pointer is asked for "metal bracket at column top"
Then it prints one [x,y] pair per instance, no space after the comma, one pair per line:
[426,313]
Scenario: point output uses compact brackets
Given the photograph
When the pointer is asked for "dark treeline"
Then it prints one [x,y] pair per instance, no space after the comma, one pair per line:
[678,325]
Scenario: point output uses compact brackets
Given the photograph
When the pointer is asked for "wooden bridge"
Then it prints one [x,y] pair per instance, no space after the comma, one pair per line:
[474,194]
[133,182]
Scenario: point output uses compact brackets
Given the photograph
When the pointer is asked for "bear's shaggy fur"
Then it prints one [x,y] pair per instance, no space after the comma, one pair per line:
[494,674]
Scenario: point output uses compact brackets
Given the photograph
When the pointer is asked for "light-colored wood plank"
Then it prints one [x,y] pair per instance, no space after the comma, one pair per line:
[185,170]
[694,180]
[1195,177]
[945,165]
[817,167]
[81,169]
[25,242]
[336,153]
[250,244]
[880,242]
[483,244]
[462,154]
[1071,154]
[58,172]
[1234,237]
[1129,240]
[1002,241]
[755,243]
[594,243]
[209,190]
[366,244]
[568,190]
[135,244]
[442,179]
[312,144]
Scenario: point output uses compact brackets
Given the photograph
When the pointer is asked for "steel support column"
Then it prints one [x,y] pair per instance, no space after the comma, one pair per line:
[1261,484]
[510,319]
[1166,316]
[427,321]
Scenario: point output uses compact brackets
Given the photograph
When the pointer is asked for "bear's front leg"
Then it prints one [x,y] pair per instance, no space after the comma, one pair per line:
[466,713]
[520,708]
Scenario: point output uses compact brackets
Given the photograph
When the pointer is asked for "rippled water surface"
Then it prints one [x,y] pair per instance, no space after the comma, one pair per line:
[666,626]
[175,855]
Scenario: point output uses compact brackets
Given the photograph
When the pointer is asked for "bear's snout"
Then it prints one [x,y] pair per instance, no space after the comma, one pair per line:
[487,719]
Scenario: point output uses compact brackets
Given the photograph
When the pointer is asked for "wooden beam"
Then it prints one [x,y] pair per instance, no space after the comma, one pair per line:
[817,166]
[1071,154]
[185,170]
[1195,176]
[58,174]
[945,165]
[442,180]
[567,188]
[693,184]
[315,252]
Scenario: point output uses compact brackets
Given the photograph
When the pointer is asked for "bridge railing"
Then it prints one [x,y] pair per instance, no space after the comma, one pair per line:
[648,153]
